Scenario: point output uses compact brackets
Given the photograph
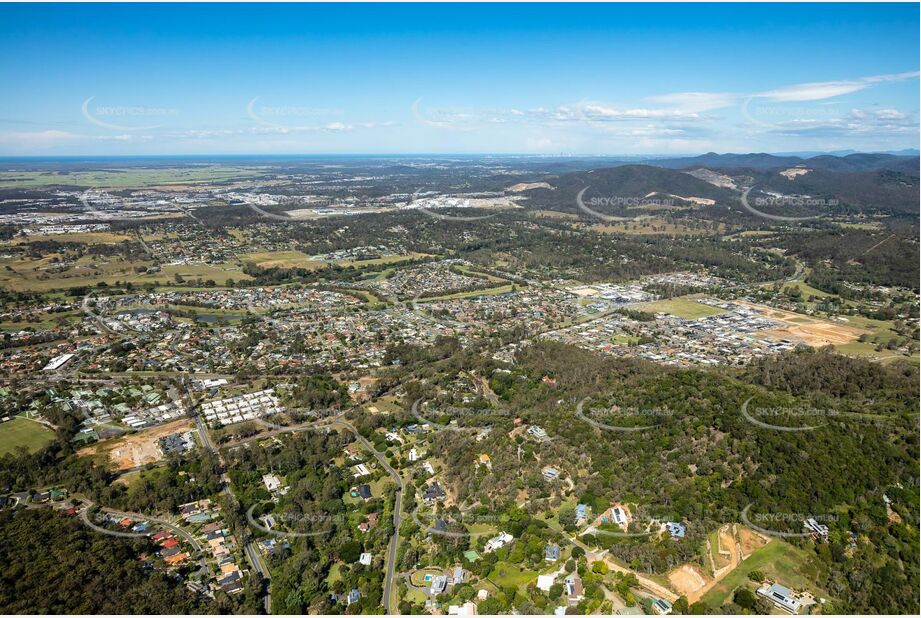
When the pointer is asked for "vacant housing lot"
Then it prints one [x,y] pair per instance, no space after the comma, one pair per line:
[136,449]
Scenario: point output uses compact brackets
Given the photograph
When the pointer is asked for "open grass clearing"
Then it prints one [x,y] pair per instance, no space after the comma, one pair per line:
[127,177]
[779,561]
[657,226]
[282,259]
[20,432]
[87,238]
[685,308]
[505,574]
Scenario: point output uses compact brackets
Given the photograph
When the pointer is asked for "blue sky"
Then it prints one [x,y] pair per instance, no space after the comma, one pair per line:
[515,78]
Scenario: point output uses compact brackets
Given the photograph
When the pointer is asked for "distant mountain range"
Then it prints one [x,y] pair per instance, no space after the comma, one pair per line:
[856,162]
[859,182]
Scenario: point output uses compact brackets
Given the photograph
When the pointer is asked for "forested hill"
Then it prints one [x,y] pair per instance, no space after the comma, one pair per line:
[630,190]
[857,162]
[624,187]
[52,564]
[704,461]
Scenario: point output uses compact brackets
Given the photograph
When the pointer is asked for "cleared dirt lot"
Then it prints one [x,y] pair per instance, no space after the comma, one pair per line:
[736,544]
[687,580]
[137,449]
[751,541]
[808,330]
[819,334]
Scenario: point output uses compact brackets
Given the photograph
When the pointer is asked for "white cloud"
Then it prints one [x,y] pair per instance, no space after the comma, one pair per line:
[601,112]
[890,114]
[857,122]
[38,138]
[816,91]
[696,101]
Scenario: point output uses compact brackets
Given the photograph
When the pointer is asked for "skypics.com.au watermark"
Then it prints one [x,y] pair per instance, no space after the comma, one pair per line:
[619,201]
[759,112]
[455,413]
[309,524]
[126,117]
[755,206]
[612,418]
[771,418]
[768,523]
[294,118]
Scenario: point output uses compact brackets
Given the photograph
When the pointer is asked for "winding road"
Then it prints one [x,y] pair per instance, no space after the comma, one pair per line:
[169,525]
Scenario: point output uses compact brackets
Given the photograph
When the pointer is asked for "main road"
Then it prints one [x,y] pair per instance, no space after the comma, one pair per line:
[397,510]
[382,459]
[252,554]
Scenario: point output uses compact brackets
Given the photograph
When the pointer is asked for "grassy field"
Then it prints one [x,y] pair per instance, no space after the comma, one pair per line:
[554,214]
[281,259]
[856,348]
[390,259]
[870,225]
[806,289]
[779,561]
[473,272]
[21,432]
[297,259]
[335,573]
[751,234]
[414,596]
[45,321]
[685,308]
[89,238]
[656,227]
[505,574]
[386,405]
[482,529]
[127,177]
[203,313]
[43,275]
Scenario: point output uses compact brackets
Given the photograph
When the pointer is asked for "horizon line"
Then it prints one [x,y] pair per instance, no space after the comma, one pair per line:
[913,151]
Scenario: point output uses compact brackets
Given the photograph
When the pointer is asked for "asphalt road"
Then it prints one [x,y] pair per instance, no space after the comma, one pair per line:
[398,499]
[252,554]
[84,515]
[397,512]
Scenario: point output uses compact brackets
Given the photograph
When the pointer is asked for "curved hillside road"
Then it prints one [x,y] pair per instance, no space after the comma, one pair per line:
[798,275]
[163,522]
[84,516]
[255,559]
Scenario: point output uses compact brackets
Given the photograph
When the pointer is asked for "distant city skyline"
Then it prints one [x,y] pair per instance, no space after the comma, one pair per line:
[108,80]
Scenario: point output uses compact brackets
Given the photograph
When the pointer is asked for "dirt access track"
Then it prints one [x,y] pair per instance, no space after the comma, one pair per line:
[136,449]
[735,544]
